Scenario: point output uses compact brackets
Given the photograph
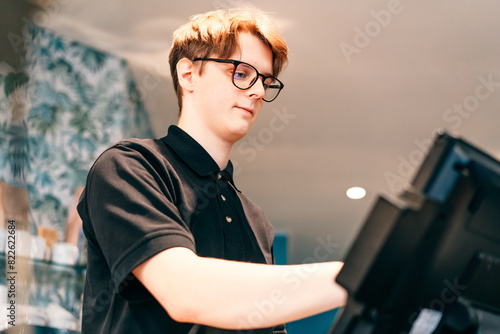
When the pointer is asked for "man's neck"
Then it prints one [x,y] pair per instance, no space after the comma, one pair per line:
[218,149]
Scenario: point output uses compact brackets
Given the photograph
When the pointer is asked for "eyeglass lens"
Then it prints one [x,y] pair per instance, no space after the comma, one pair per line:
[245,76]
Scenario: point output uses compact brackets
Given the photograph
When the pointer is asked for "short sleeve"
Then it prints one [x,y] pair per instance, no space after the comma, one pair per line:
[129,212]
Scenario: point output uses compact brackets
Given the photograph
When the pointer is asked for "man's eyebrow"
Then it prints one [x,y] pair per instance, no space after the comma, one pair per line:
[267,74]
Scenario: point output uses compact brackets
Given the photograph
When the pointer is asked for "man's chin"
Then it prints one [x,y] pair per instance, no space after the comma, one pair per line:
[239,133]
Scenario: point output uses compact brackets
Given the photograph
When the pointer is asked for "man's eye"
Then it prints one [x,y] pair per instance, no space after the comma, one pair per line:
[240,75]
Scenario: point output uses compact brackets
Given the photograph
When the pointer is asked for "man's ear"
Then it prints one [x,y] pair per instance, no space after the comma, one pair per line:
[185,74]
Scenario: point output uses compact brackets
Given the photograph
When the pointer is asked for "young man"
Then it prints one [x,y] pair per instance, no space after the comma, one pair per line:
[173,244]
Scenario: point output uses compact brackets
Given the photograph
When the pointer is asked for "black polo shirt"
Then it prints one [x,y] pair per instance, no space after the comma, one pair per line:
[145,196]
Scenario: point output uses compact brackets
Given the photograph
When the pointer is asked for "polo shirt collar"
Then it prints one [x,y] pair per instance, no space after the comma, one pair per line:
[193,154]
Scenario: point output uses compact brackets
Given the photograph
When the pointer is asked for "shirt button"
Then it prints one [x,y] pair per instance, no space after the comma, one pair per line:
[229,219]
[223,198]
[219,176]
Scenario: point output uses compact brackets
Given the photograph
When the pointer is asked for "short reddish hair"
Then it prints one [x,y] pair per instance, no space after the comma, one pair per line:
[216,33]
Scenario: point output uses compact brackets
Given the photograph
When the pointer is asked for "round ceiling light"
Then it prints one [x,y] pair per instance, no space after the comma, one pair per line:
[356,192]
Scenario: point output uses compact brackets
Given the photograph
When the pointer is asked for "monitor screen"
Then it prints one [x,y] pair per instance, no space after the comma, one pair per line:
[428,260]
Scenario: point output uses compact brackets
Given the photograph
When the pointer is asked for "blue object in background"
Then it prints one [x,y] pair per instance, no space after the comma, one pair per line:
[317,324]
[280,246]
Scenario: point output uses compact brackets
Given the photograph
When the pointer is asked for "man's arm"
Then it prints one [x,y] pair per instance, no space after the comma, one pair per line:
[238,295]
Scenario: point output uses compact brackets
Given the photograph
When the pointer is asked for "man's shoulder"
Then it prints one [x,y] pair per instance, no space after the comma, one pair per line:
[124,152]
[140,144]
[131,147]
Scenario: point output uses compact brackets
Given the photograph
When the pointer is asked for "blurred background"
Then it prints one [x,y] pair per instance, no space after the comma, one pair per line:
[368,85]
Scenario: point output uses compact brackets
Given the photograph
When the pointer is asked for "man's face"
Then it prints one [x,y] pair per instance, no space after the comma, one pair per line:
[227,111]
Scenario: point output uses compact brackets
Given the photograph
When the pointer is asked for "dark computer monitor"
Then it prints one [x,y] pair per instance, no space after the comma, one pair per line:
[429,256]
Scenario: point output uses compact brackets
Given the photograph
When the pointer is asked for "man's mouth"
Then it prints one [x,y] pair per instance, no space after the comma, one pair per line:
[249,110]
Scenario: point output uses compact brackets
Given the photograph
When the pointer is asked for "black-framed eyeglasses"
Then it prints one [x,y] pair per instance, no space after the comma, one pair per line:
[245,76]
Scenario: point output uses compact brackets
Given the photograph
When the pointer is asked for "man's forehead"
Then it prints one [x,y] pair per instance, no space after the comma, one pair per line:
[253,50]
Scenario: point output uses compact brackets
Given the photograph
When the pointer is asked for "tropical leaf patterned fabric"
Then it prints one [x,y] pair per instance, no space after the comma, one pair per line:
[69,104]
